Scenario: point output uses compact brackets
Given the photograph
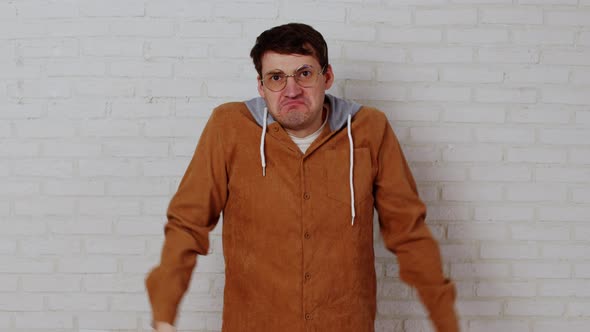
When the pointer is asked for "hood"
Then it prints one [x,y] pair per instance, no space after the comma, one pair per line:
[340,109]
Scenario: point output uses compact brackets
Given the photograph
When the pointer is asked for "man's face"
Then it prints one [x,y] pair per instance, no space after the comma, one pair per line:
[298,109]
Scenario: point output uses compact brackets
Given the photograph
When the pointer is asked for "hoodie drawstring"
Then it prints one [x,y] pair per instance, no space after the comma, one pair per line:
[352,210]
[262,156]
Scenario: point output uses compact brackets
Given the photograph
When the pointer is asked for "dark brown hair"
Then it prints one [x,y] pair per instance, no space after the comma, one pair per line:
[292,38]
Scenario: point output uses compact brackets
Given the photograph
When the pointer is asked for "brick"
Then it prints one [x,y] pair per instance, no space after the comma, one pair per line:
[480,153]
[77,28]
[458,252]
[8,283]
[480,231]
[5,130]
[20,71]
[234,89]
[76,187]
[18,149]
[24,226]
[563,57]
[109,128]
[568,18]
[540,233]
[44,168]
[141,27]
[21,111]
[411,112]
[21,302]
[502,95]
[581,195]
[80,226]
[108,206]
[536,192]
[505,289]
[582,271]
[498,325]
[168,167]
[449,134]
[534,308]
[509,251]
[478,308]
[136,149]
[472,75]
[49,48]
[561,288]
[385,91]
[138,265]
[170,88]
[421,154]
[70,149]
[544,37]
[381,15]
[477,36]
[47,9]
[505,135]
[579,156]
[8,10]
[562,136]
[174,128]
[391,308]
[86,265]
[77,302]
[479,271]
[563,213]
[42,247]
[442,55]
[571,96]
[569,252]
[570,326]
[131,302]
[107,168]
[434,93]
[110,8]
[9,30]
[115,246]
[578,309]
[107,321]
[497,55]
[563,175]
[526,115]
[106,47]
[176,49]
[583,117]
[482,1]
[155,206]
[538,75]
[360,72]
[138,188]
[105,87]
[137,69]
[72,109]
[393,289]
[436,174]
[43,88]
[38,206]
[512,16]
[375,54]
[25,265]
[503,213]
[270,11]
[500,173]
[133,110]
[445,16]
[210,30]
[581,76]
[205,69]
[51,283]
[336,31]
[8,247]
[179,8]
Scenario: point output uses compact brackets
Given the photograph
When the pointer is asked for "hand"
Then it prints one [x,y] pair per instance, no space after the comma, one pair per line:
[163,327]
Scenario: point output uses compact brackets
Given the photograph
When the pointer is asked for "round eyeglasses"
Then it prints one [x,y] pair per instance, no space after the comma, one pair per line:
[305,76]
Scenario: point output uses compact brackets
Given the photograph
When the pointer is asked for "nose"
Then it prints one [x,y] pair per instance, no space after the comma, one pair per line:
[292,88]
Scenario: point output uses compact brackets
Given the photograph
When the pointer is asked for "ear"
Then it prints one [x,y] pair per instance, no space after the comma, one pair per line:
[260,87]
[329,77]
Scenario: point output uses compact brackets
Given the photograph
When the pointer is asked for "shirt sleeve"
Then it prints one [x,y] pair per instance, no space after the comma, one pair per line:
[193,212]
[401,219]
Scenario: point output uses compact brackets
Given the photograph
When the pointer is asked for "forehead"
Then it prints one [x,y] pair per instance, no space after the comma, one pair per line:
[286,62]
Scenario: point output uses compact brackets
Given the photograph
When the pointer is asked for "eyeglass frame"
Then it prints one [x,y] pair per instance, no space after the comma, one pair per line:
[294,75]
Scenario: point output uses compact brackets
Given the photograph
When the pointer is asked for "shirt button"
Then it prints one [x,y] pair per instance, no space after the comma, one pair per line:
[307,316]
[307,276]
[275,129]
[306,196]
[307,235]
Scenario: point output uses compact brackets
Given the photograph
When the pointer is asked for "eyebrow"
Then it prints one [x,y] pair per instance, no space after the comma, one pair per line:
[278,71]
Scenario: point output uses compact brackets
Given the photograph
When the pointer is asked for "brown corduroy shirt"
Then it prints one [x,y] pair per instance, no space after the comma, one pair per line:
[293,260]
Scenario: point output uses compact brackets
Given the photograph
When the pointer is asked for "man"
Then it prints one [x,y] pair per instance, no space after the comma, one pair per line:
[296,174]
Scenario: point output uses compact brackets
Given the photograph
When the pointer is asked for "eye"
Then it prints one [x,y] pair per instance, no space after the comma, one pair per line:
[276,77]
[305,73]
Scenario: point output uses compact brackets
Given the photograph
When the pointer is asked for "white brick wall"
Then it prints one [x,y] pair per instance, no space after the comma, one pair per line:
[102,102]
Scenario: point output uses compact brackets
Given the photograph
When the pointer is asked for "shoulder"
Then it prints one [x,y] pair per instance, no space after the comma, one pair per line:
[371,117]
[230,112]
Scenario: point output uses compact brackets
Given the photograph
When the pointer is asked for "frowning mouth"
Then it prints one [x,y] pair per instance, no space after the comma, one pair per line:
[292,103]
